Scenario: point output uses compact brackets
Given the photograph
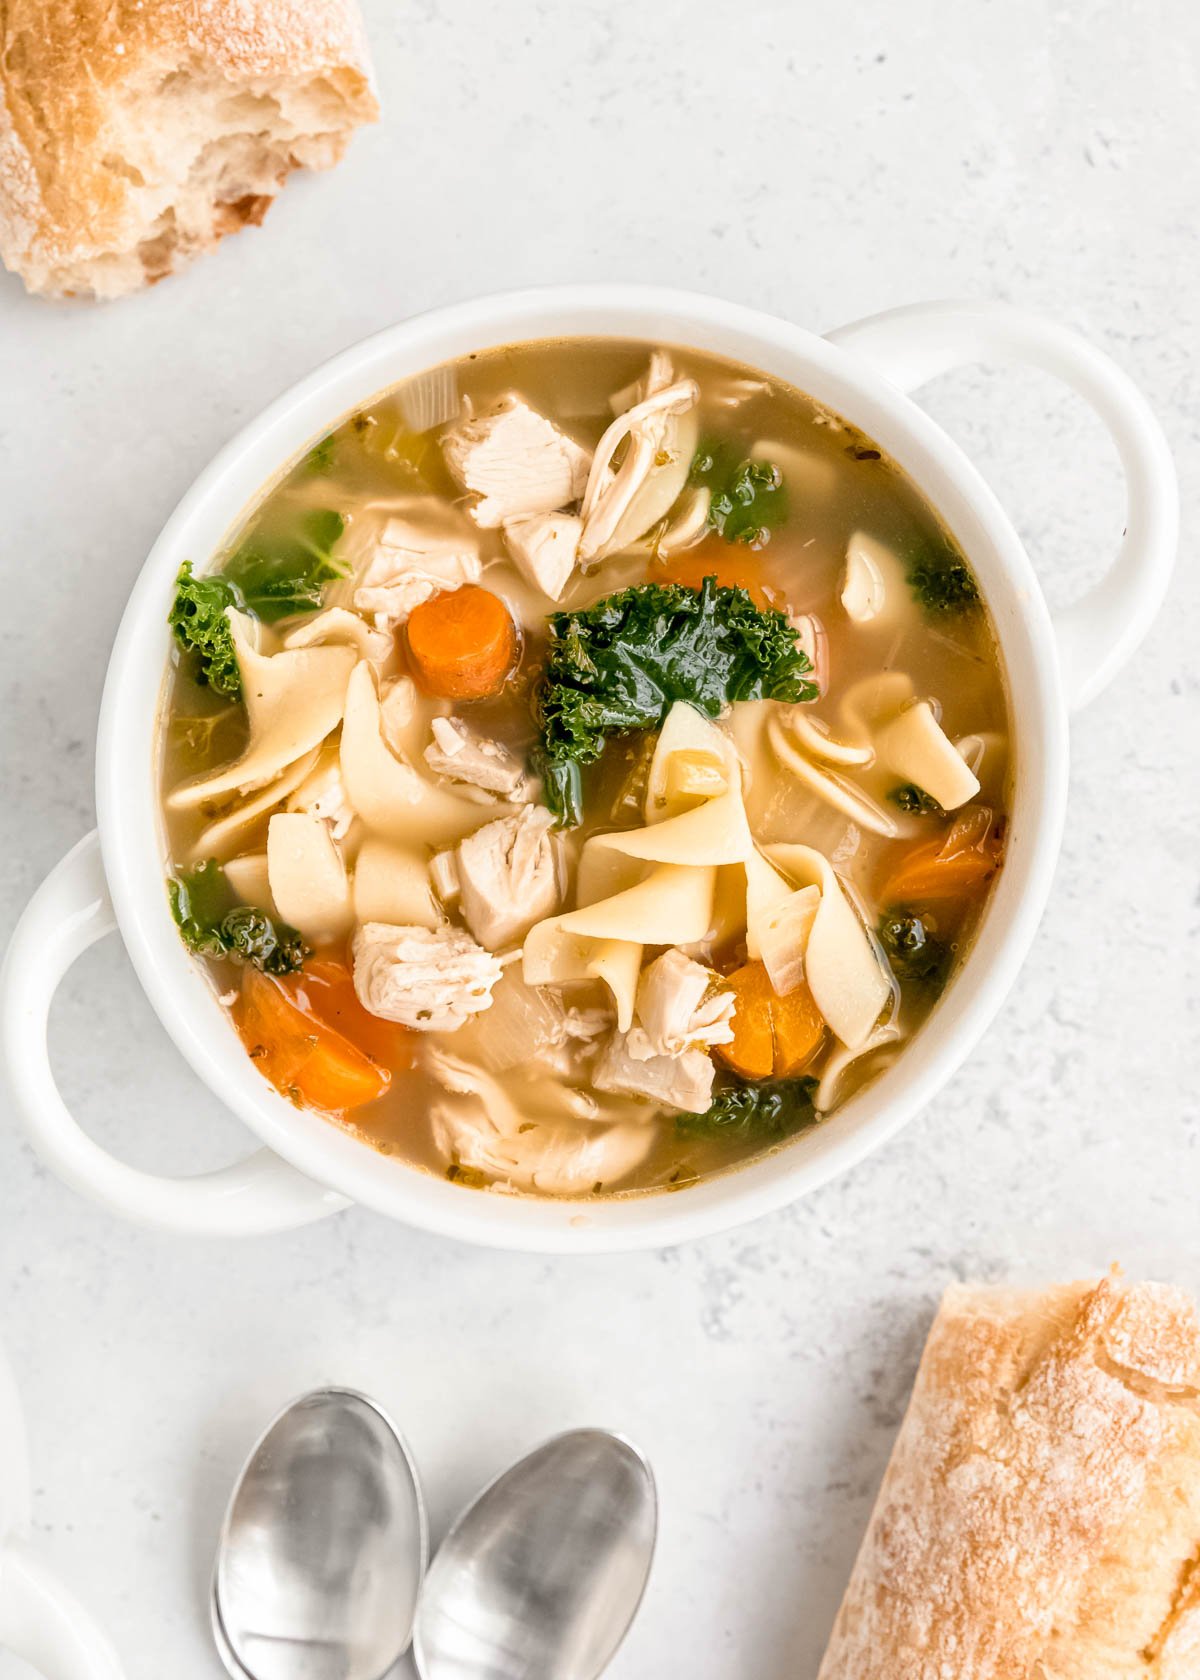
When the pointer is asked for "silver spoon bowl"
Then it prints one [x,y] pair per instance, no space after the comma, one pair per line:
[541,1576]
[323,1547]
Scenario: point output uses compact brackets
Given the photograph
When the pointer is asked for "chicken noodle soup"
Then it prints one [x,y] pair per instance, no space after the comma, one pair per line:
[584,770]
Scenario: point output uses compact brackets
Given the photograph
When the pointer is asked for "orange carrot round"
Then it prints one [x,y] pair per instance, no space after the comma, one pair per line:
[752,1050]
[306,1061]
[462,645]
[325,988]
[954,865]
[773,1037]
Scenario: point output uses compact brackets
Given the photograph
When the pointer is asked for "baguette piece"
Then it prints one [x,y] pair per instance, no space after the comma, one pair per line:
[1040,1516]
[135,134]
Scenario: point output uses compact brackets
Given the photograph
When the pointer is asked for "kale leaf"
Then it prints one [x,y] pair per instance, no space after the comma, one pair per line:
[915,801]
[941,581]
[212,924]
[278,574]
[621,665]
[749,499]
[759,1110]
[912,950]
[198,619]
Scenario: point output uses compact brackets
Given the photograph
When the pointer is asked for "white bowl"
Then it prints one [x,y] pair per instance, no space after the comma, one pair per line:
[115,876]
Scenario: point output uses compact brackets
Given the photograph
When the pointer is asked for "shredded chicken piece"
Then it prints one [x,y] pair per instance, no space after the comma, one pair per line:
[660,373]
[510,876]
[683,1082]
[464,757]
[322,793]
[410,566]
[545,547]
[679,1008]
[584,1025]
[430,979]
[516,461]
[643,429]
[566,1056]
[547,1143]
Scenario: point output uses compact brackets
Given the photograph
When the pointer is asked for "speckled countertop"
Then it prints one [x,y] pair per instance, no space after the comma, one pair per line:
[820,162]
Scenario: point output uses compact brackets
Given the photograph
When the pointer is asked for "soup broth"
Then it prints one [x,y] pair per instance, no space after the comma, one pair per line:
[584,769]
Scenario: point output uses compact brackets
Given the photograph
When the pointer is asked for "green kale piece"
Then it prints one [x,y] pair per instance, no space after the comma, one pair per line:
[280,573]
[912,950]
[915,801]
[757,1110]
[749,498]
[212,924]
[198,620]
[620,665]
[941,581]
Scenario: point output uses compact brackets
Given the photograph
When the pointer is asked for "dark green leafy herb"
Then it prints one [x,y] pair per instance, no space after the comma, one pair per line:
[319,459]
[278,573]
[198,619]
[909,797]
[212,924]
[623,663]
[941,581]
[913,951]
[749,499]
[758,1110]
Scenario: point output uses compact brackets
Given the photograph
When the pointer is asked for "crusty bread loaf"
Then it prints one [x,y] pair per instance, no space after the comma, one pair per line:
[1040,1517]
[135,134]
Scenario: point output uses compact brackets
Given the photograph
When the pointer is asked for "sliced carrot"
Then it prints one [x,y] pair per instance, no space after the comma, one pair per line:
[774,1037]
[325,988]
[733,568]
[752,1051]
[954,865]
[306,1061]
[463,644]
[799,1029]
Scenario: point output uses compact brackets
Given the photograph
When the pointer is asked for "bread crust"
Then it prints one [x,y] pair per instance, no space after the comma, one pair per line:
[1040,1516]
[113,114]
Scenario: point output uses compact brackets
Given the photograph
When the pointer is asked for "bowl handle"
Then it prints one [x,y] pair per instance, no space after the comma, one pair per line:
[45,1624]
[70,911]
[1099,632]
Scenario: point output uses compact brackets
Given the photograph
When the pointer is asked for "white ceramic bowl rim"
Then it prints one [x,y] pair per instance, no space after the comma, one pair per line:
[841,376]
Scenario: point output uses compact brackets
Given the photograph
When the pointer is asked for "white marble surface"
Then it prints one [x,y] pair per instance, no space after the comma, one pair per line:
[822,162]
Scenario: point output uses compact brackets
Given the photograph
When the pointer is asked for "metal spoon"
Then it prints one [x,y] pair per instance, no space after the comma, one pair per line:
[540,1578]
[323,1547]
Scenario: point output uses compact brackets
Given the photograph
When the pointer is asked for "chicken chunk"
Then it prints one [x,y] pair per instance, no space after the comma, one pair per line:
[656,441]
[411,564]
[430,979]
[464,757]
[516,461]
[682,1082]
[510,877]
[678,1008]
[534,1146]
[545,547]
[556,1160]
